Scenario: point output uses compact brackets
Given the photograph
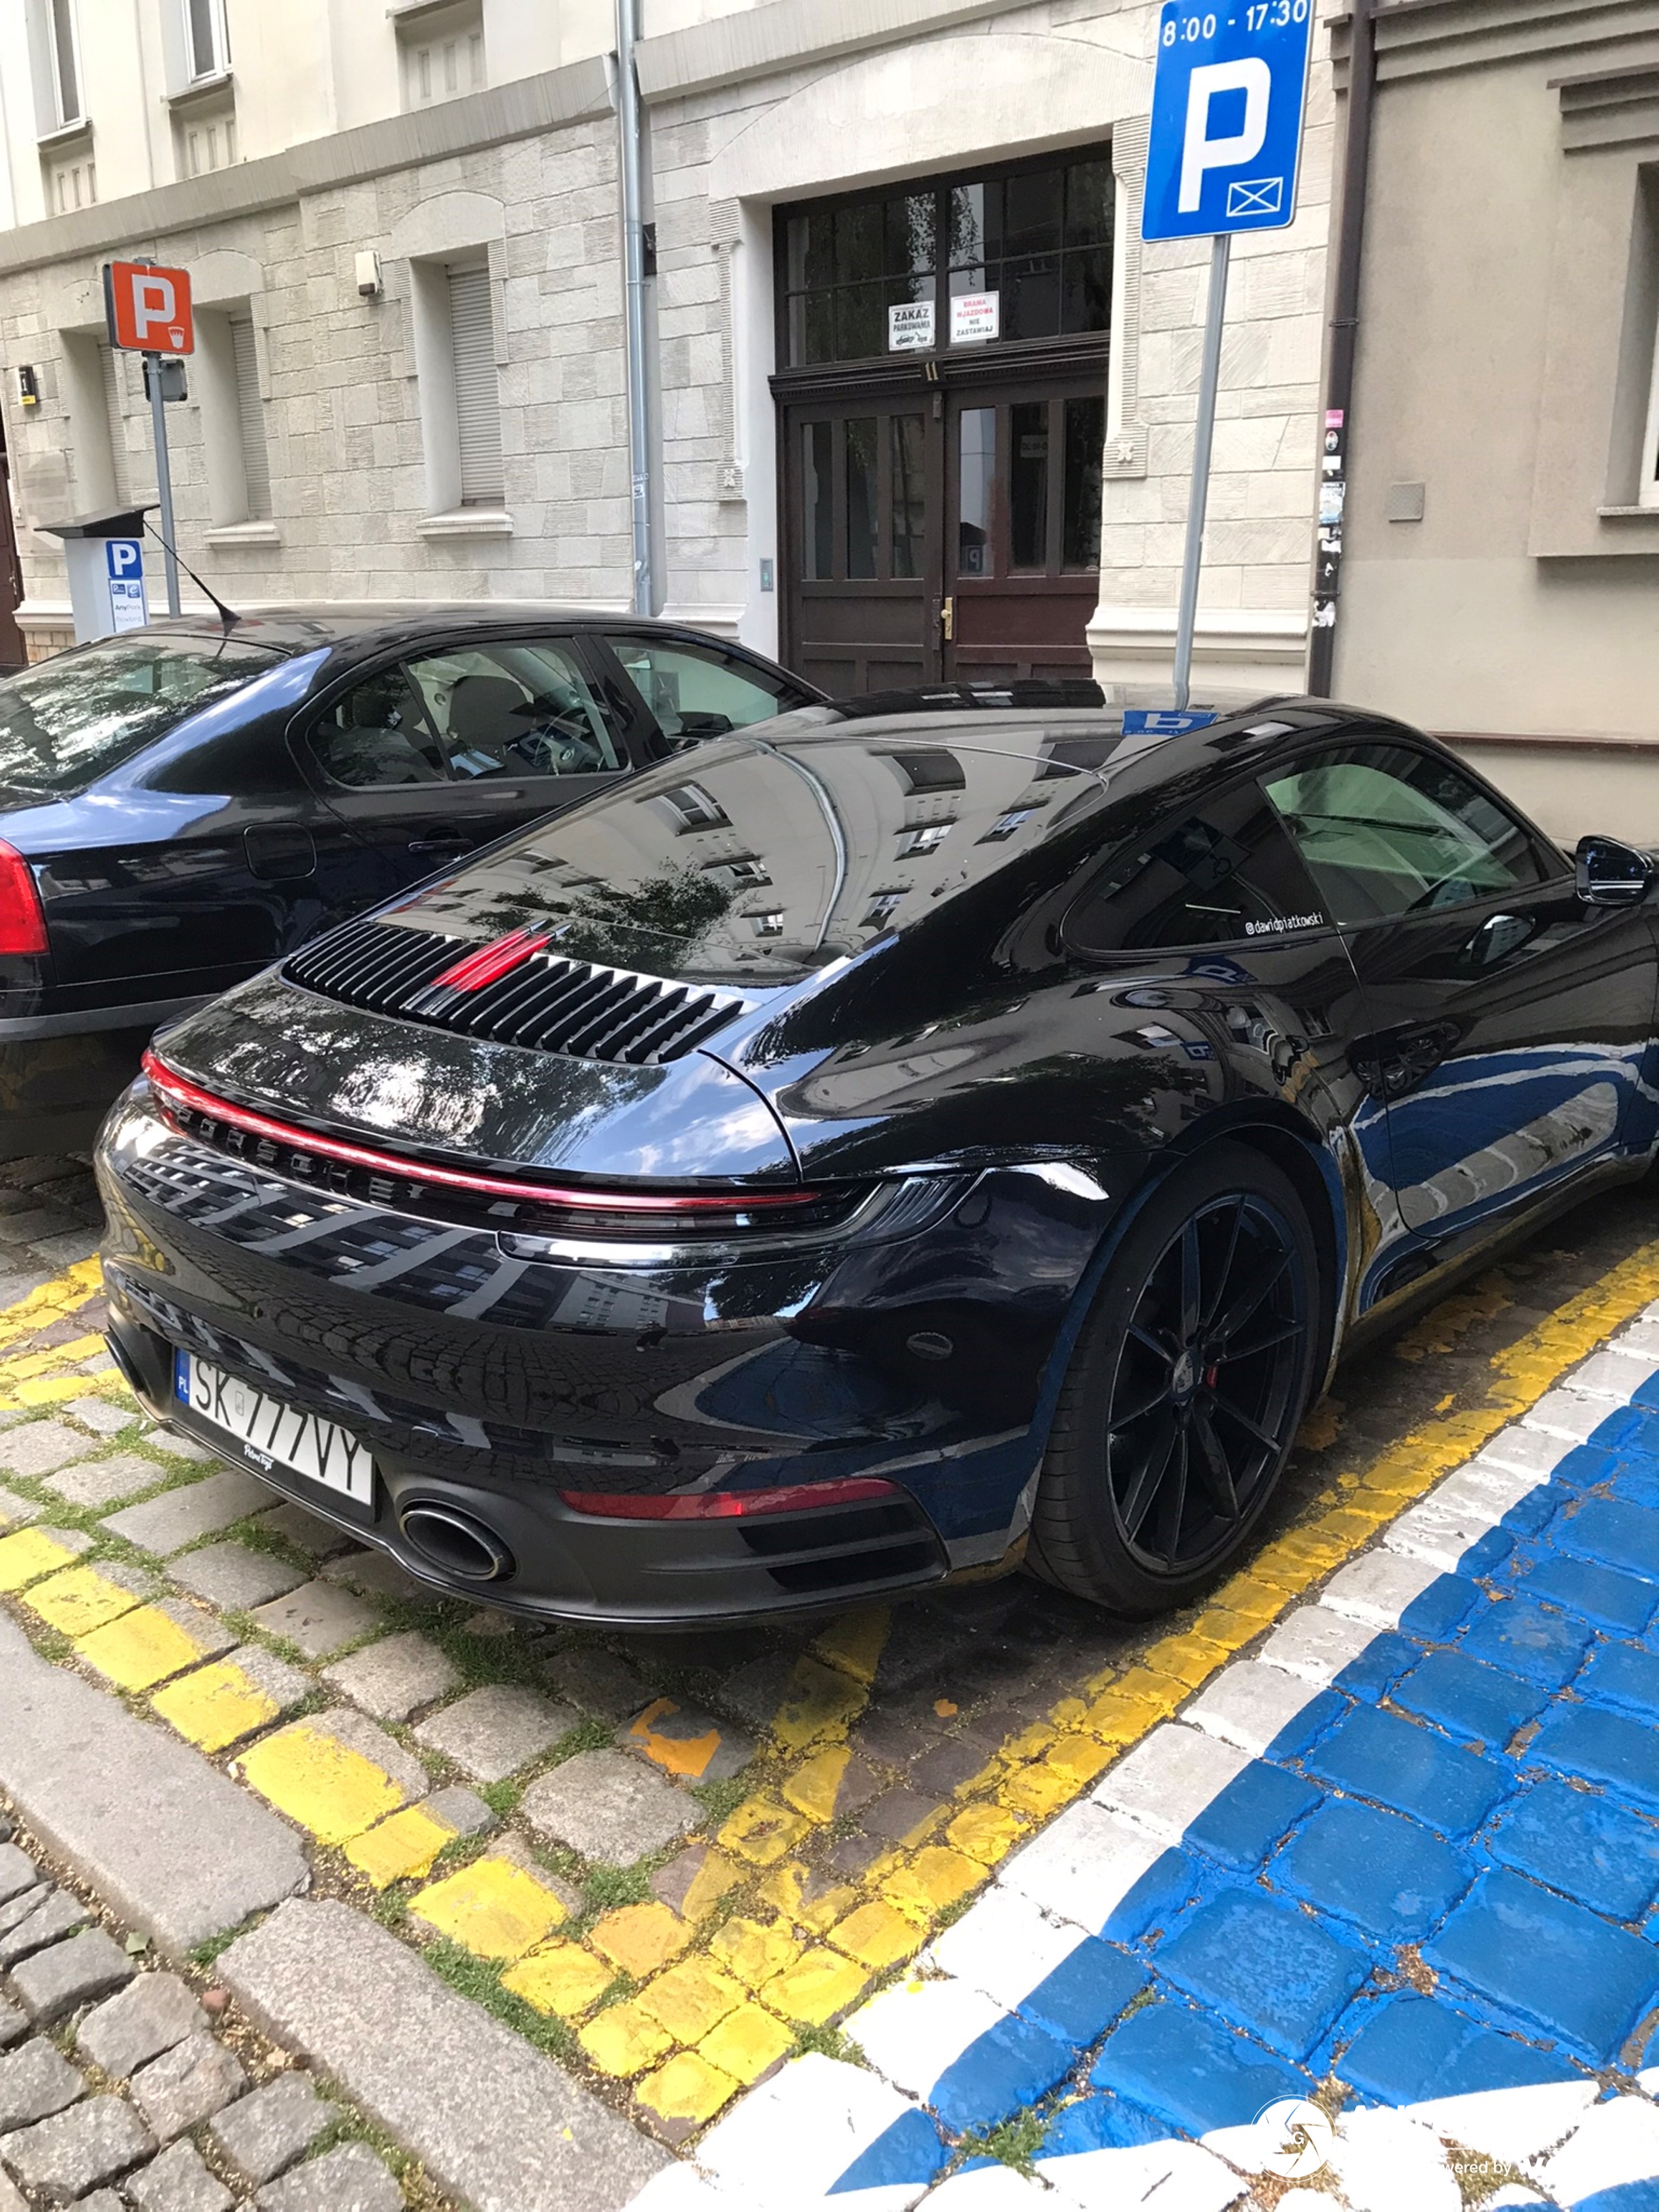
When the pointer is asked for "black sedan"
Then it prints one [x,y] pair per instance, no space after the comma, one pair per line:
[182,805]
[895,1144]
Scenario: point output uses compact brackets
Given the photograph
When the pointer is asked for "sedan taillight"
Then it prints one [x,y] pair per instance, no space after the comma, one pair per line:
[22,923]
[729,1505]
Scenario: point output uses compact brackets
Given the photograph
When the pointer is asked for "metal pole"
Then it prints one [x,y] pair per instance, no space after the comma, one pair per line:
[1203,436]
[163,476]
[639,455]
[1344,319]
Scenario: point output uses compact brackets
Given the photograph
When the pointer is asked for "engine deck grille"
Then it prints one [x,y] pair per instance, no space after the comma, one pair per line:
[538,999]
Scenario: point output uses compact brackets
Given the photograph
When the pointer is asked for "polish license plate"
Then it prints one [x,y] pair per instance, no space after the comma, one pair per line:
[271,1434]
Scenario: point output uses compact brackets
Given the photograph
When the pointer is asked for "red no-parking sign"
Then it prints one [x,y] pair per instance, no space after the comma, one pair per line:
[148,307]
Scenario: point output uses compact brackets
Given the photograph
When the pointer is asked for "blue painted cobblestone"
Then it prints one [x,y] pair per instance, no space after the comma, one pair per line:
[1436,1884]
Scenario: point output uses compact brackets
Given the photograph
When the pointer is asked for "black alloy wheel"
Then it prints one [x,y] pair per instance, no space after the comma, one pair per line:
[1183,1395]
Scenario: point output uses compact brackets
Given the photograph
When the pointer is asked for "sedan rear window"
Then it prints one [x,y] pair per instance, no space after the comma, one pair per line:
[75,717]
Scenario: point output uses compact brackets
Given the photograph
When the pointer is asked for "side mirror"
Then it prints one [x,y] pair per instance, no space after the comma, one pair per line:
[1611,873]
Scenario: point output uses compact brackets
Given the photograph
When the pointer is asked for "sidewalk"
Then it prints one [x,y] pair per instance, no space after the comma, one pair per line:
[829,1910]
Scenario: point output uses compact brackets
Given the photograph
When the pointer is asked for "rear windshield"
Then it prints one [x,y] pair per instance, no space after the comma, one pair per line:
[75,717]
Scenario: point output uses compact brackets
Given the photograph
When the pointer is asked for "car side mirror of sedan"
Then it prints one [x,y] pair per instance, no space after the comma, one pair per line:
[1612,873]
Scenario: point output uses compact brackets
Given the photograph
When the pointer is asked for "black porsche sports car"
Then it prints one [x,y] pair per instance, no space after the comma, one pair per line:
[182,805]
[900,1140]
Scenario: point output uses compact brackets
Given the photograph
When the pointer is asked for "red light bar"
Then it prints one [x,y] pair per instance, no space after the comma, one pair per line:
[488,963]
[176,1090]
[729,1505]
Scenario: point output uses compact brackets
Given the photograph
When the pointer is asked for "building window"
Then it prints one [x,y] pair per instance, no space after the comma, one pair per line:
[206,47]
[249,418]
[477,399]
[765,925]
[65,63]
[914,843]
[882,907]
[442,53]
[877,273]
[694,809]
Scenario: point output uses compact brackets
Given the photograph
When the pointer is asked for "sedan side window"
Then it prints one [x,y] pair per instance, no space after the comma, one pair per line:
[1387,830]
[696,691]
[515,709]
[377,735]
[1222,875]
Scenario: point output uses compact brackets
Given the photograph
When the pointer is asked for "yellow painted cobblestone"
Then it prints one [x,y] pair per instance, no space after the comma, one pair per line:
[623,2040]
[687,2089]
[490,1907]
[746,2043]
[761,1831]
[692,1998]
[323,1786]
[935,1879]
[400,1847]
[141,1649]
[641,1938]
[877,1936]
[813,1787]
[820,1983]
[558,1978]
[28,1555]
[986,1832]
[754,1951]
[215,1706]
[79,1600]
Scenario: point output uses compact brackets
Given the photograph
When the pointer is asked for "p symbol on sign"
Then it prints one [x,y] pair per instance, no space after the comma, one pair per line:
[1250,75]
[123,557]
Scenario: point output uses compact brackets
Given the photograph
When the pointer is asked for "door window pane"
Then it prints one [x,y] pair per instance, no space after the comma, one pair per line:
[907,548]
[379,735]
[697,691]
[978,454]
[861,496]
[1225,874]
[1385,831]
[818,503]
[1028,484]
[1085,441]
[518,709]
[846,265]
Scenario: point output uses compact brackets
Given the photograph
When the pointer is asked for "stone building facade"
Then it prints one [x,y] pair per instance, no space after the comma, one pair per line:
[318,457]
[1501,567]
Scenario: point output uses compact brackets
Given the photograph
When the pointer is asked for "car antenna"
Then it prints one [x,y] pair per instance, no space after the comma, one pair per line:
[229,616]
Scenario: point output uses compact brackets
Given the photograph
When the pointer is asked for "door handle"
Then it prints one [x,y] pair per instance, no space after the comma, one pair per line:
[449,841]
[947,620]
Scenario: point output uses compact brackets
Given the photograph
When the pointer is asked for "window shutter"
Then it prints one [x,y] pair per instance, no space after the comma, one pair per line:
[120,459]
[250,415]
[477,401]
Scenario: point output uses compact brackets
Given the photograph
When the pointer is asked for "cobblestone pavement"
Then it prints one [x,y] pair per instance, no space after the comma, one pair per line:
[727,1881]
[123,2083]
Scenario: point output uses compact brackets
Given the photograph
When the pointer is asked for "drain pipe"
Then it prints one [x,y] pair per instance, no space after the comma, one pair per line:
[639,450]
[1345,330]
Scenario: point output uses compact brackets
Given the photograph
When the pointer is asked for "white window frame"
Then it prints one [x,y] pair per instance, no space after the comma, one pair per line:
[434,333]
[1647,481]
[218,38]
[62,28]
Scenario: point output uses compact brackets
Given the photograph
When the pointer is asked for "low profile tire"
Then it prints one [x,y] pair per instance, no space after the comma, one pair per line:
[1182,1398]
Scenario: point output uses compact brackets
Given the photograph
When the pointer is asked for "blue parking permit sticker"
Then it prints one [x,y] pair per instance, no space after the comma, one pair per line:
[181,1375]
[1164,722]
[1197,1048]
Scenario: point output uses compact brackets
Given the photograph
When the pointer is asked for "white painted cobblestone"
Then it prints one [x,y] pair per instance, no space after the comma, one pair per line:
[790,2141]
[1378,1587]
[1003,1945]
[1616,2147]
[1608,1375]
[912,2031]
[1249,1703]
[1316,1643]
[1167,1779]
[1567,1413]
[1083,1865]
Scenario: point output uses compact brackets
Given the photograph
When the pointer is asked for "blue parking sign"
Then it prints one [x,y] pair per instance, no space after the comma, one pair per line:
[123,563]
[1226,132]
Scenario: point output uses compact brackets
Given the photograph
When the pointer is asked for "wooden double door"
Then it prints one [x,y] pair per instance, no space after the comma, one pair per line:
[940,534]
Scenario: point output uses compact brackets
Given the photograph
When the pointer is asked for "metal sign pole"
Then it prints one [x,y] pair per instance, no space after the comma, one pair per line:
[163,476]
[1203,439]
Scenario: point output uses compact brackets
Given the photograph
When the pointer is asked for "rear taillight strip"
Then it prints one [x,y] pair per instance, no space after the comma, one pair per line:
[178,1092]
[730,1504]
